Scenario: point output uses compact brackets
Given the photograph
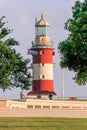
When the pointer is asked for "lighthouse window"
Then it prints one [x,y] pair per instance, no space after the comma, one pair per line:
[42,76]
[41,64]
[47,32]
[36,31]
[53,53]
[41,52]
[39,31]
[42,31]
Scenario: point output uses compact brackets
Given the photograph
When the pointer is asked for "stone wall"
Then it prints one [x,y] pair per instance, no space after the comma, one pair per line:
[47,104]
[3,103]
[42,104]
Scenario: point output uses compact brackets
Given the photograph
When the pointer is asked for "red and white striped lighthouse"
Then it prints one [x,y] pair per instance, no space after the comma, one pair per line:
[42,52]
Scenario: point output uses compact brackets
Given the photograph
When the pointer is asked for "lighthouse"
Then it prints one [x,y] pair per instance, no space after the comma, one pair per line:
[42,52]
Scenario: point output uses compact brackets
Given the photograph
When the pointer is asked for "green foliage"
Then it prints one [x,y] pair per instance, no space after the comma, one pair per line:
[13,68]
[74,49]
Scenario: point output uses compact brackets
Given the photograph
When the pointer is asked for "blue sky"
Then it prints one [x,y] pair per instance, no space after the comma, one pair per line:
[20,15]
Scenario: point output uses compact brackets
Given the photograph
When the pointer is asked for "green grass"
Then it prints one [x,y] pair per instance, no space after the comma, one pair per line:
[42,124]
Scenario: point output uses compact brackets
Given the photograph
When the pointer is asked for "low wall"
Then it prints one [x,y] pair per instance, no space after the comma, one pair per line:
[43,108]
[52,104]
[3,103]
[47,104]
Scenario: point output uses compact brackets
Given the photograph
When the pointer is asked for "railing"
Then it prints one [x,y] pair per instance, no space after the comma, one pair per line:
[42,44]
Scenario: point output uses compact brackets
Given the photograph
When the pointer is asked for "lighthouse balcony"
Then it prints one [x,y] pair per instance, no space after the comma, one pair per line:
[42,45]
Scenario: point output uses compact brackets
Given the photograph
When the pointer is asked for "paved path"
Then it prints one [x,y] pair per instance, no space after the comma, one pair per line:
[66,113]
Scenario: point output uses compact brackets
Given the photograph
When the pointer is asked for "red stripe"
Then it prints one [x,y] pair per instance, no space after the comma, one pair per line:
[44,56]
[43,85]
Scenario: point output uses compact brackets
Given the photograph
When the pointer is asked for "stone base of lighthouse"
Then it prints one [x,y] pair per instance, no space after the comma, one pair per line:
[42,89]
[42,95]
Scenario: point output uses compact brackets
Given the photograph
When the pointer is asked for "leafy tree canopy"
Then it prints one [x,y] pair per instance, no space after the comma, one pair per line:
[13,68]
[73,50]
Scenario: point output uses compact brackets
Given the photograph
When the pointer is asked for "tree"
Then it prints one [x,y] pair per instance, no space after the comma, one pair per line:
[14,70]
[73,50]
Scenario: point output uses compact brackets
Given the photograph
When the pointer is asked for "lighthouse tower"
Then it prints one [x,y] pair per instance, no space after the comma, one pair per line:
[42,52]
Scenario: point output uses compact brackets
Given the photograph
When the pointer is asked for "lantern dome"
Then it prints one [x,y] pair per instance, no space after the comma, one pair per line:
[42,22]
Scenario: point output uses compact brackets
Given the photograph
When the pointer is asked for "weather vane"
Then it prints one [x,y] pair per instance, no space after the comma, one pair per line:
[44,13]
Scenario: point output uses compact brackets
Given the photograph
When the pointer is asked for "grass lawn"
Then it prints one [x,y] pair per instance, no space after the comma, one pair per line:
[42,124]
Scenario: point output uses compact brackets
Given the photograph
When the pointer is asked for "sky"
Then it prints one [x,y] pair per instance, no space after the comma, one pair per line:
[20,15]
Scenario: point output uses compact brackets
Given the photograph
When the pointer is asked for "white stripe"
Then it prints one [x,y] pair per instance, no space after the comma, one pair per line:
[44,72]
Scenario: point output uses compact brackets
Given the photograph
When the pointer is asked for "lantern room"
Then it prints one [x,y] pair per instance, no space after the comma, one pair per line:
[42,28]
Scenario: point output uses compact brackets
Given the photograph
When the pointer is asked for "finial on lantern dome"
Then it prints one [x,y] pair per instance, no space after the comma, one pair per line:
[42,17]
[35,19]
[44,13]
[42,21]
